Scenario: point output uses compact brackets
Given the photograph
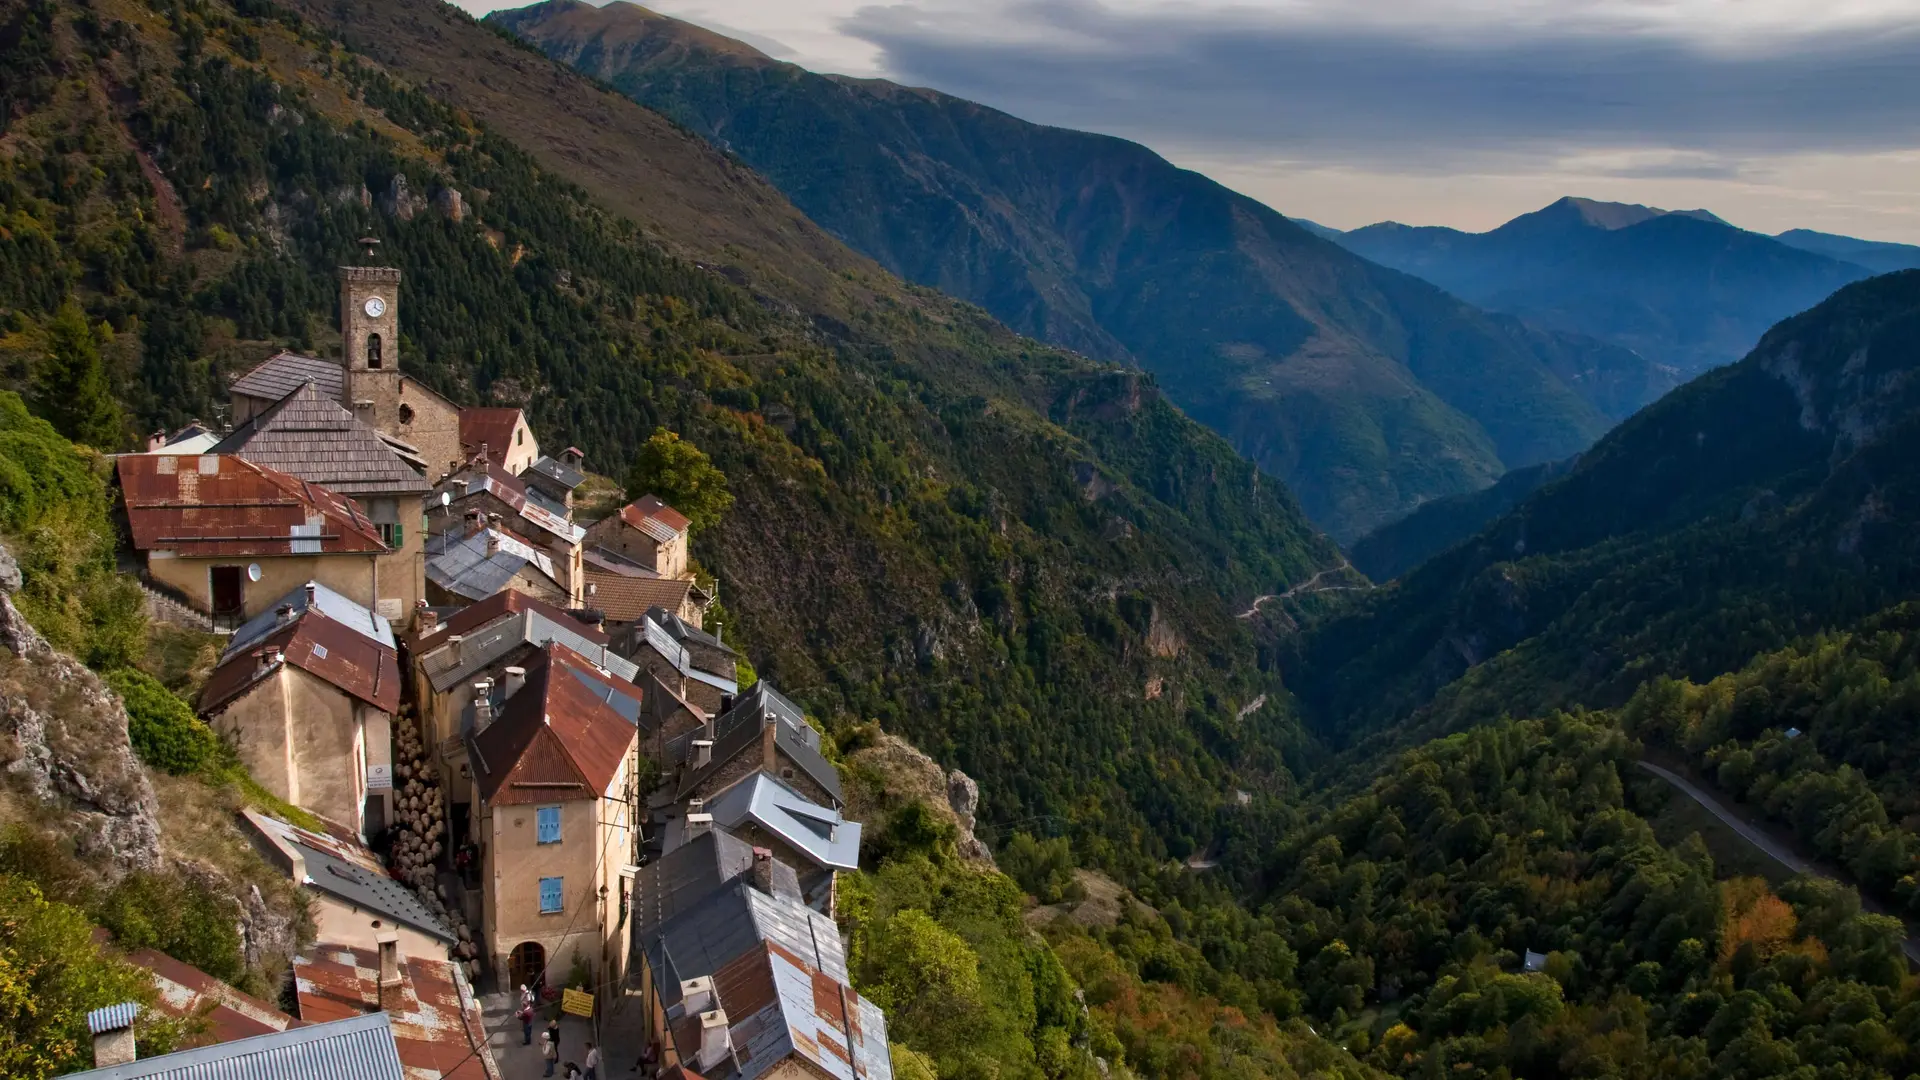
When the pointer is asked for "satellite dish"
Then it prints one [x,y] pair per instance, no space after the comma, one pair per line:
[253,571]
[446,499]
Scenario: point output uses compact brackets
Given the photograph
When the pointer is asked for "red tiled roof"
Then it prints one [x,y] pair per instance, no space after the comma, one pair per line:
[437,1022]
[492,427]
[626,599]
[326,649]
[213,505]
[555,739]
[481,613]
[648,513]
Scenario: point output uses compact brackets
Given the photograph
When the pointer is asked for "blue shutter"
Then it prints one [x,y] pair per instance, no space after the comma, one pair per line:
[548,820]
[550,901]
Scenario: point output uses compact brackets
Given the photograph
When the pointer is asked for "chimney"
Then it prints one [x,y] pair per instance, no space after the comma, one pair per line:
[493,520]
[716,1042]
[696,995]
[516,678]
[763,870]
[453,642]
[702,753]
[363,411]
[156,440]
[482,705]
[313,593]
[425,619]
[475,521]
[283,614]
[388,942]
[769,735]
[698,824]
[273,656]
[112,1029]
[483,452]
[493,543]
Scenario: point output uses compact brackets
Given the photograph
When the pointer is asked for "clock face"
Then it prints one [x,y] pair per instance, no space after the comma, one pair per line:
[375,307]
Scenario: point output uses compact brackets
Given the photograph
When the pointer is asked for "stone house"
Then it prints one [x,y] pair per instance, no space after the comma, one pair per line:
[762,732]
[559,476]
[482,490]
[498,435]
[306,694]
[554,813]
[653,648]
[470,564]
[818,842]
[738,979]
[355,902]
[308,435]
[625,591]
[231,537]
[646,531]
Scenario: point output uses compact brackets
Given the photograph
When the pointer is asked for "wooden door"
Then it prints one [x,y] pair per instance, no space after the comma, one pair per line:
[229,589]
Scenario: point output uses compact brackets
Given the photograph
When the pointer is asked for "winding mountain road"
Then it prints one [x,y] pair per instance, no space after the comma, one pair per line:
[1311,585]
[1767,845]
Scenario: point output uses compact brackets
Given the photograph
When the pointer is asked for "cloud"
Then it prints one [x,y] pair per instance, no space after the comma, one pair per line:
[1408,84]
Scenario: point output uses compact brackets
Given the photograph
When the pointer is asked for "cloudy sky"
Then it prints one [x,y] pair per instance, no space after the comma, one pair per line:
[1772,113]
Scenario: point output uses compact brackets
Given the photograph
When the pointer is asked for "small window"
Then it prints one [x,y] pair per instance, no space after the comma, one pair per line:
[550,896]
[547,818]
[520,437]
[406,414]
[393,534]
[373,350]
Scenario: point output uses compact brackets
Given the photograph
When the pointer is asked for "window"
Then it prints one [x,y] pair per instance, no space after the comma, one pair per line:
[547,818]
[392,533]
[373,350]
[406,414]
[550,896]
[520,437]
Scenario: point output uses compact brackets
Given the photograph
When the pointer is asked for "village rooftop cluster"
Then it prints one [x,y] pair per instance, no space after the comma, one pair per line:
[532,759]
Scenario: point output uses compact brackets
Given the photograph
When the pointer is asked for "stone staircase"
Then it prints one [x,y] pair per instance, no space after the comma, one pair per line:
[161,607]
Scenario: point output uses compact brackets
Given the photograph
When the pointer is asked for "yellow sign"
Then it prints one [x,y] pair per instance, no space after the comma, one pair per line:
[577,1002]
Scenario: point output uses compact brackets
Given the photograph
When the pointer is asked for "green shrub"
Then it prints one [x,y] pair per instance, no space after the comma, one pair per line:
[180,917]
[1044,868]
[164,731]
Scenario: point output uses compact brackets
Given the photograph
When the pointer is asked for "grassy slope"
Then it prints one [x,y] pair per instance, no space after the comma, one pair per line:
[1367,391]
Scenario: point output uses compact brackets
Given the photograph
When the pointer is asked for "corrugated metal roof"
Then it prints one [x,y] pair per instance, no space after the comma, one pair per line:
[219,505]
[491,427]
[351,661]
[649,633]
[465,564]
[824,835]
[524,621]
[438,1029]
[652,516]
[614,562]
[683,631]
[487,478]
[311,435]
[113,1017]
[332,604]
[351,873]
[556,739]
[286,372]
[358,1048]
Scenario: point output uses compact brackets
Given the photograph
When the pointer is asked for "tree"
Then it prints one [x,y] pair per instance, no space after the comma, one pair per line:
[683,476]
[51,976]
[71,388]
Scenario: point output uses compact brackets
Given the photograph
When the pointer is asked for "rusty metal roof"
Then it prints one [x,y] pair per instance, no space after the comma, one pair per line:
[557,738]
[487,478]
[489,427]
[286,372]
[186,992]
[219,505]
[437,1023]
[311,435]
[511,625]
[654,517]
[332,651]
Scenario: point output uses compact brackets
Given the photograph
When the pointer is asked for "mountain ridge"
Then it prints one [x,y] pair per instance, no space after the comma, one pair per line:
[1366,390]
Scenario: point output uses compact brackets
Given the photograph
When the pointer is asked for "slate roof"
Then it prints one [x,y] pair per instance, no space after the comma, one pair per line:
[536,508]
[558,471]
[438,1029]
[686,633]
[648,633]
[460,562]
[361,1047]
[311,435]
[338,653]
[491,427]
[214,506]
[826,837]
[556,739]
[350,873]
[738,731]
[686,876]
[286,372]
[330,603]
[627,599]
[780,974]
[654,517]
[500,624]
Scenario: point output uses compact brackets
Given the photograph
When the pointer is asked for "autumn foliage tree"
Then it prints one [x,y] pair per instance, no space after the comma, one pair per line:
[683,476]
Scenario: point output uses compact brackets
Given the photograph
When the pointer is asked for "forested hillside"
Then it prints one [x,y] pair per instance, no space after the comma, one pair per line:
[1367,391]
[1021,559]
[1761,502]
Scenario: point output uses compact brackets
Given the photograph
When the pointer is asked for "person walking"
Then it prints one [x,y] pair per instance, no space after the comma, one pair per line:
[550,1050]
[593,1061]
[553,1032]
[526,1023]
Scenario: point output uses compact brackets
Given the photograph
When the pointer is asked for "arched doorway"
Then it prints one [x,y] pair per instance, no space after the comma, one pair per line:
[527,965]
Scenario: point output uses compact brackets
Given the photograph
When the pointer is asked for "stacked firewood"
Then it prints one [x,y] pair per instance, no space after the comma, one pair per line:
[420,832]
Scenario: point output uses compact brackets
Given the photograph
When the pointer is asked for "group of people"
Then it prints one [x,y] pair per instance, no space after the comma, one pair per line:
[550,1043]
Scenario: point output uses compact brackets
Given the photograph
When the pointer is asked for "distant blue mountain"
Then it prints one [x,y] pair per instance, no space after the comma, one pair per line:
[1684,289]
[1875,255]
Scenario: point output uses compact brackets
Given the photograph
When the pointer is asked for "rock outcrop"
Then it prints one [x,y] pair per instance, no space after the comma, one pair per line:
[905,774]
[63,741]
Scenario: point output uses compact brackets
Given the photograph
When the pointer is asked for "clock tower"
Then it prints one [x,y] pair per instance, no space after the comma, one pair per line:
[370,317]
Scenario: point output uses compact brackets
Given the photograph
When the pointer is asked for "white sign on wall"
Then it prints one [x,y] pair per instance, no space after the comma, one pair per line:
[379,777]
